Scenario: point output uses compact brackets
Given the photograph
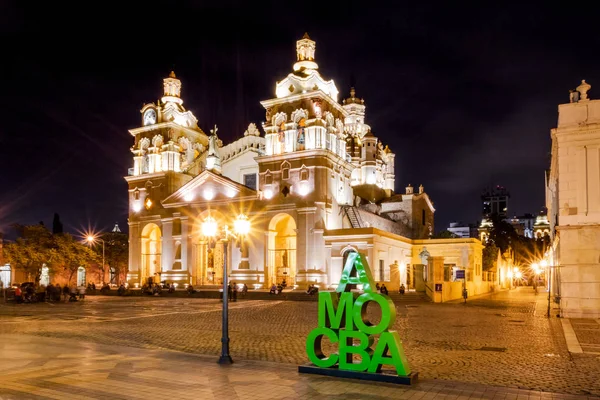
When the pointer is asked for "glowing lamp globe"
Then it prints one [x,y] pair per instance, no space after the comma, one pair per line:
[209,227]
[241,225]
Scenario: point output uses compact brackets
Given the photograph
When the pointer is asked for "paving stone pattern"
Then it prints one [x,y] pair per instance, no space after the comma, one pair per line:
[39,368]
[505,340]
[588,334]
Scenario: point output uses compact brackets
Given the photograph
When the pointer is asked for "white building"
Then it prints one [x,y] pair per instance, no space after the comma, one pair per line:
[317,185]
[573,202]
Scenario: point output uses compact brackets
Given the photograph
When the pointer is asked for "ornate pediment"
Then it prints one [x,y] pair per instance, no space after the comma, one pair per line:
[209,187]
[175,112]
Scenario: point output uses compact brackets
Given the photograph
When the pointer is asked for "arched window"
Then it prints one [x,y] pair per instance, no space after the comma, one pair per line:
[304,174]
[285,170]
[268,178]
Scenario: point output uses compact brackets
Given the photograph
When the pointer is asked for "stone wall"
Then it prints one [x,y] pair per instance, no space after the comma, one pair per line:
[375,221]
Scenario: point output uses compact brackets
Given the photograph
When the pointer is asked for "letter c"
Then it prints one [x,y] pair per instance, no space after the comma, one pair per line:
[315,351]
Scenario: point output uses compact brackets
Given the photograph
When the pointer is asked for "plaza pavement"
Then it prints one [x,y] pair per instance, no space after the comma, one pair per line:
[109,347]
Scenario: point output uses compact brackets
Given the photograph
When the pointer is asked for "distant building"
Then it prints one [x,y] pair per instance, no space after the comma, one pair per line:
[541,227]
[116,228]
[463,230]
[573,201]
[495,201]
[524,224]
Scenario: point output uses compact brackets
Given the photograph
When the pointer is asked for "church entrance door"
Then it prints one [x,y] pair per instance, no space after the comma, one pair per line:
[281,251]
[151,253]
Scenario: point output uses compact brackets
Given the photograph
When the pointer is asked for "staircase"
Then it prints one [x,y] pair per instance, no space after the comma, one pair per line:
[353,216]
[409,298]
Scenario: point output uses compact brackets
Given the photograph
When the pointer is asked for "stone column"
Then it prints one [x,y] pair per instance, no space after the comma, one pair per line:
[185,244]
[309,260]
[135,253]
[167,245]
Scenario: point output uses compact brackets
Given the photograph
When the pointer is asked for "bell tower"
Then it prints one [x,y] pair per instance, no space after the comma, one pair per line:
[172,89]
[305,54]
[368,163]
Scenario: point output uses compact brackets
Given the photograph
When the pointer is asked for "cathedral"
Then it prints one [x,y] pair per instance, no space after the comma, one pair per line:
[313,183]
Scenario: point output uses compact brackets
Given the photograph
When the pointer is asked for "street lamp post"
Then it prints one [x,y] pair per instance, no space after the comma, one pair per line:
[210,229]
[93,239]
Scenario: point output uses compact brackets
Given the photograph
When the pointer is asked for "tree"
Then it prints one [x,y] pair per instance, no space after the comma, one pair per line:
[116,255]
[34,248]
[502,234]
[446,234]
[57,226]
[73,255]
[490,256]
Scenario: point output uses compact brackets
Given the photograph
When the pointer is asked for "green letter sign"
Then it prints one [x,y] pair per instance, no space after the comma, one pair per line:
[344,322]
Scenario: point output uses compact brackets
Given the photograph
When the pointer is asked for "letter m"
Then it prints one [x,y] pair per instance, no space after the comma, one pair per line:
[336,314]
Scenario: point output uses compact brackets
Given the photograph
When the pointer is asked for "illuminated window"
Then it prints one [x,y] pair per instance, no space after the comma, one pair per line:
[136,194]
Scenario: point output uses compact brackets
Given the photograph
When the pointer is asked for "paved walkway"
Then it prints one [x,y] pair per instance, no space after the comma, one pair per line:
[504,340]
[45,368]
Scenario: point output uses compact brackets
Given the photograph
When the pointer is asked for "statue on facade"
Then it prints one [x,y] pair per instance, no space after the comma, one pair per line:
[301,138]
[213,159]
[281,133]
[210,260]
[284,259]
[424,255]
[213,143]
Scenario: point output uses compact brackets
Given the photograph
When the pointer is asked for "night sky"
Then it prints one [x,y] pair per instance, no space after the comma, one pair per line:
[465,97]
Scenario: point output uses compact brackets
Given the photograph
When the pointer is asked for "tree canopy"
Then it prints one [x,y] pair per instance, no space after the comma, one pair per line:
[116,254]
[37,247]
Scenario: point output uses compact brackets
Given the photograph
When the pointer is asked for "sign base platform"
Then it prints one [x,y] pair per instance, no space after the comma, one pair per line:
[410,379]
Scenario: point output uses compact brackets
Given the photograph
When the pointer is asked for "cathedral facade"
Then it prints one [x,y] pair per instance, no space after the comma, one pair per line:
[315,184]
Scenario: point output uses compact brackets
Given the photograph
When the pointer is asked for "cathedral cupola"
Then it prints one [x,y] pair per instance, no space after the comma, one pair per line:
[305,55]
[355,120]
[172,87]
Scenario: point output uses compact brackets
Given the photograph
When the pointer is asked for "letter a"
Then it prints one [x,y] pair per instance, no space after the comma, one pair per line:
[358,262]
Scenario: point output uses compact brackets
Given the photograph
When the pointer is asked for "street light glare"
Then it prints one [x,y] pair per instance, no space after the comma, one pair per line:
[91,239]
[209,227]
[241,226]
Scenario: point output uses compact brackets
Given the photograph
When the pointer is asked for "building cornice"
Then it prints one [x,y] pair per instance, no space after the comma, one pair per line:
[304,96]
[170,124]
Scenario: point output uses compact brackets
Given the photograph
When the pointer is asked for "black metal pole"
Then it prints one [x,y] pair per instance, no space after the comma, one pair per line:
[225,357]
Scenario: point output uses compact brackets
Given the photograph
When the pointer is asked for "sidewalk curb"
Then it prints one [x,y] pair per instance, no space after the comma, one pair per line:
[570,337]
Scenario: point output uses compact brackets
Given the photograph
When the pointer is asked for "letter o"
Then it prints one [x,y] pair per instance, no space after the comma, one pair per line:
[359,313]
[315,351]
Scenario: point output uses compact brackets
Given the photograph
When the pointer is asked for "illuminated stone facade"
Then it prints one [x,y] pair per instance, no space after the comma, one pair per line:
[573,202]
[317,169]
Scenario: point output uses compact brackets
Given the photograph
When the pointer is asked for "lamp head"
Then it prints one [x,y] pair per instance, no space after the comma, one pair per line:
[241,225]
[209,227]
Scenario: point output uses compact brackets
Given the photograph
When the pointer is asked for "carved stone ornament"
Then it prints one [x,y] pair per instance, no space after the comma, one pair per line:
[252,130]
[583,89]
